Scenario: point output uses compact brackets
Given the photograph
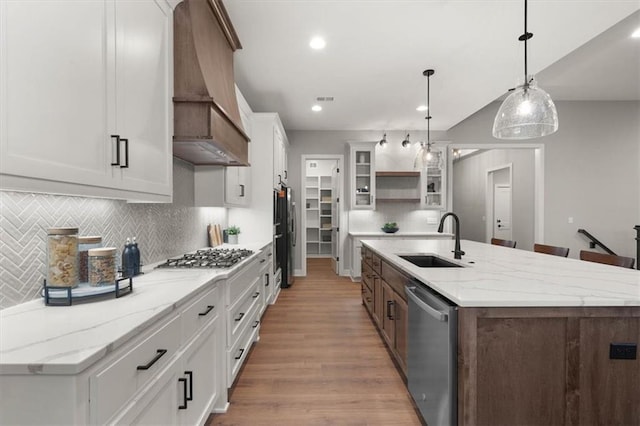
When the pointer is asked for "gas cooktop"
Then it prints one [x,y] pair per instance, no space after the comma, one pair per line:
[208,258]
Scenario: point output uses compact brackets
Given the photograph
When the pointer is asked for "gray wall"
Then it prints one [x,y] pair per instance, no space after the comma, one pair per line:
[162,230]
[469,181]
[592,172]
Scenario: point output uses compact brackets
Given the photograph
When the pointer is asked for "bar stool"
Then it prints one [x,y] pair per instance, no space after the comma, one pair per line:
[607,259]
[556,251]
[504,243]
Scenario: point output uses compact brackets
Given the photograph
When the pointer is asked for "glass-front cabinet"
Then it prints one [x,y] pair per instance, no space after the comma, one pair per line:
[434,181]
[363,175]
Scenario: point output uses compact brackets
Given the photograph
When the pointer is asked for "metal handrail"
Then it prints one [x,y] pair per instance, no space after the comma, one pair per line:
[595,242]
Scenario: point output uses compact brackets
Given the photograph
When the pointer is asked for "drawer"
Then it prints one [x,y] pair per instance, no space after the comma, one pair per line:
[241,281]
[112,387]
[237,354]
[367,276]
[367,298]
[199,313]
[376,263]
[242,312]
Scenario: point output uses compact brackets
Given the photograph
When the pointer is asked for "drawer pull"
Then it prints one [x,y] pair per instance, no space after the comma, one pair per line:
[389,303]
[189,396]
[263,260]
[257,293]
[209,309]
[159,354]
[240,356]
[266,280]
[239,316]
[369,299]
[255,324]
[270,254]
[184,389]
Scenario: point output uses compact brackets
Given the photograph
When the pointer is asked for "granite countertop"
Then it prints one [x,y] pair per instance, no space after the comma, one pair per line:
[495,276]
[401,234]
[39,339]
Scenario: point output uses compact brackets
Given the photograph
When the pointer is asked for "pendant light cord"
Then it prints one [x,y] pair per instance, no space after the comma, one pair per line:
[428,117]
[524,37]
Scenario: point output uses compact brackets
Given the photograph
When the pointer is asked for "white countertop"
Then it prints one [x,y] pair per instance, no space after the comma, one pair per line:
[506,277]
[401,234]
[40,339]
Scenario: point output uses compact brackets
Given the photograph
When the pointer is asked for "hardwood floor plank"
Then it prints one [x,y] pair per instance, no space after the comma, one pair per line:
[319,361]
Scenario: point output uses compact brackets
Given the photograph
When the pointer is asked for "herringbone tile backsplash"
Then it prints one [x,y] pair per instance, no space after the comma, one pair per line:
[162,231]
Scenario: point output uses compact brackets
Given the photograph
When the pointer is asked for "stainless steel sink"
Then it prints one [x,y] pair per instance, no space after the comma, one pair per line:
[429,261]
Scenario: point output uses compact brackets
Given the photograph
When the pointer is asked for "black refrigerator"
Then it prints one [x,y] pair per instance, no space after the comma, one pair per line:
[285,233]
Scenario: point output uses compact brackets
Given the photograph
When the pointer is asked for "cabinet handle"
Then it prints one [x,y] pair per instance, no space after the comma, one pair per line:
[126,154]
[256,324]
[285,174]
[189,396]
[389,303]
[263,260]
[159,354]
[240,356]
[270,254]
[117,137]
[209,309]
[241,190]
[267,281]
[369,299]
[239,316]
[184,388]
[255,295]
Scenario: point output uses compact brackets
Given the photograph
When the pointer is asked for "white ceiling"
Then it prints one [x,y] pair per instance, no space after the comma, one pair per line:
[377,49]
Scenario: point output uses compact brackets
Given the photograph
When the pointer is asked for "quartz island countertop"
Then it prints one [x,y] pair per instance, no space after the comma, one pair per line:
[40,339]
[495,276]
[400,234]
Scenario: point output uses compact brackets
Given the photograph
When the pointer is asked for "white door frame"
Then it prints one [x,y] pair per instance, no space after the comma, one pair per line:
[303,215]
[489,198]
[538,202]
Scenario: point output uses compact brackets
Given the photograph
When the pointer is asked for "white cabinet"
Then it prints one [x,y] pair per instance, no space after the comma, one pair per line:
[280,153]
[73,75]
[434,181]
[362,161]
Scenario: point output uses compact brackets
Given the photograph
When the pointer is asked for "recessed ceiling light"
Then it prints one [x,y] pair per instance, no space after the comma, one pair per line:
[316,108]
[421,108]
[636,33]
[317,43]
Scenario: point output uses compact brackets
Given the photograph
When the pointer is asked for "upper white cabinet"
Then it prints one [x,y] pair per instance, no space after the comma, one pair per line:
[362,161]
[86,98]
[434,180]
[280,153]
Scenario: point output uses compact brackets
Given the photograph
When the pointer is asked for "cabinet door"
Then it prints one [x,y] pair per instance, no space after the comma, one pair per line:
[278,173]
[53,62]
[144,87]
[434,181]
[401,318]
[378,303]
[388,314]
[202,371]
[363,176]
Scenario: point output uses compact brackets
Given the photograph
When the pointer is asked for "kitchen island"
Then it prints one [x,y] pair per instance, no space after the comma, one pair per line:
[534,331]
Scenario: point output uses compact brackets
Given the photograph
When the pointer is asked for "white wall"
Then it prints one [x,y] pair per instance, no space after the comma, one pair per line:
[469,192]
[592,172]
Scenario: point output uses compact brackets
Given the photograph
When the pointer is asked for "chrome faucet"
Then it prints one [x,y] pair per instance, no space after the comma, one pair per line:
[457,253]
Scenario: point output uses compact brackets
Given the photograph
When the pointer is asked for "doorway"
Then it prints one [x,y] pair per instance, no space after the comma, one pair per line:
[322,210]
[498,201]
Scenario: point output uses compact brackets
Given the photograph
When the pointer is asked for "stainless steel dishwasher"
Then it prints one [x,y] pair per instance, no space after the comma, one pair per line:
[432,355]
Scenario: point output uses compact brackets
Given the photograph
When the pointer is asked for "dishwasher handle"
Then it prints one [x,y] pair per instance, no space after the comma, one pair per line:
[412,294]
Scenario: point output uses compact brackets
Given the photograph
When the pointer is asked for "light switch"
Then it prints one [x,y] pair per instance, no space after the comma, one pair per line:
[570,220]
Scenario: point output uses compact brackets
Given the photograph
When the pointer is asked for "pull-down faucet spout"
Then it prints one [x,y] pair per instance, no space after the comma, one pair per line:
[457,252]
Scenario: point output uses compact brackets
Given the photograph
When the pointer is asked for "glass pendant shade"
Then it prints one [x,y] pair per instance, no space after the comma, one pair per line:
[527,113]
[423,157]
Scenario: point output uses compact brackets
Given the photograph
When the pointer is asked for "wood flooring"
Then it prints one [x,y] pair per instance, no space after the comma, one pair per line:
[319,361]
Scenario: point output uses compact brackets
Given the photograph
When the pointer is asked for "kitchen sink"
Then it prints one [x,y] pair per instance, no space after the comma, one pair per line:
[429,261]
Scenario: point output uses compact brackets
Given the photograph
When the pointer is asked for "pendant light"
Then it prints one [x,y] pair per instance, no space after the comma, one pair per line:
[528,112]
[424,153]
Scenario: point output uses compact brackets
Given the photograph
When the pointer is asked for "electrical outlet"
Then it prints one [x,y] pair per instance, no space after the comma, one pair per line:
[570,220]
[623,350]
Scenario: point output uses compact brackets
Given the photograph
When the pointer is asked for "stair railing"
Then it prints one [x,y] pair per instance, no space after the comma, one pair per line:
[595,242]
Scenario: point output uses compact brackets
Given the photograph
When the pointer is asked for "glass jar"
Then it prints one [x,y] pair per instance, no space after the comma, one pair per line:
[62,257]
[102,266]
[84,245]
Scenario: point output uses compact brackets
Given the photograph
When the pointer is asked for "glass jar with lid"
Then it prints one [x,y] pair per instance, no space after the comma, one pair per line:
[102,266]
[62,257]
[86,243]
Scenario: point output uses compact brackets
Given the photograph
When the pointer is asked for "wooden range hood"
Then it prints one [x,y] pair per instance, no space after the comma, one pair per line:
[207,125]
